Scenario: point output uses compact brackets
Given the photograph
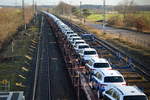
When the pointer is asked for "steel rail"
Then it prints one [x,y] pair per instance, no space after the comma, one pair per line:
[135,64]
[37,65]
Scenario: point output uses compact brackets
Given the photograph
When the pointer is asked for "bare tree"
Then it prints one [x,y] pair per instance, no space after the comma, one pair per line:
[129,10]
[63,8]
[126,7]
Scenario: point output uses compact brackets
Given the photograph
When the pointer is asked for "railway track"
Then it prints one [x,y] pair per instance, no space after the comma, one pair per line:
[131,70]
[51,79]
[139,66]
[42,82]
[134,72]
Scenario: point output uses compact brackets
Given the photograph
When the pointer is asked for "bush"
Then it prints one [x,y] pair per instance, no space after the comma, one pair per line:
[115,20]
[10,20]
[147,22]
[129,21]
[139,24]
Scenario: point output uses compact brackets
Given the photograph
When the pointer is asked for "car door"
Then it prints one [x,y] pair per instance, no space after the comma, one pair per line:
[105,97]
[116,95]
[108,95]
[97,79]
[89,64]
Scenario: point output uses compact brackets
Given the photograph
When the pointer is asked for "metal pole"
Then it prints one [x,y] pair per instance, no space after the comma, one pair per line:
[80,11]
[33,5]
[12,46]
[33,9]
[104,15]
[23,14]
[23,8]
[70,10]
[16,3]
[78,86]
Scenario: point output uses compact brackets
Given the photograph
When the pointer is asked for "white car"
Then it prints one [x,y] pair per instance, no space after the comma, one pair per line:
[87,54]
[124,93]
[101,80]
[64,30]
[76,42]
[72,39]
[72,35]
[80,47]
[97,63]
[69,32]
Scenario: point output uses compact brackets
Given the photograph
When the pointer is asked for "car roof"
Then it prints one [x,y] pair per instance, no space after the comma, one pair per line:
[75,37]
[99,60]
[129,90]
[66,30]
[79,40]
[69,31]
[72,34]
[109,73]
[81,44]
[89,49]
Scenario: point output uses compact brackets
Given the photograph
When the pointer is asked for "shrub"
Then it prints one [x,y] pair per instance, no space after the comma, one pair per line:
[139,23]
[115,20]
[10,20]
[129,20]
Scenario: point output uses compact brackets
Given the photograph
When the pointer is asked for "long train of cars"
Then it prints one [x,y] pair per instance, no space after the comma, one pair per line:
[109,84]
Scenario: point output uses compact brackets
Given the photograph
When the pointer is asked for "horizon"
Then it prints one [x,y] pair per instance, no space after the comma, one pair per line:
[73,5]
[76,2]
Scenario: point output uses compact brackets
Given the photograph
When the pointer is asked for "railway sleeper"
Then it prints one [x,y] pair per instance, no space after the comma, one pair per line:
[131,77]
[127,78]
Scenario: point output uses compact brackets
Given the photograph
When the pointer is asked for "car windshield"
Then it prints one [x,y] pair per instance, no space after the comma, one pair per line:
[72,35]
[83,46]
[89,53]
[113,79]
[101,65]
[135,98]
[69,32]
[76,39]
[78,42]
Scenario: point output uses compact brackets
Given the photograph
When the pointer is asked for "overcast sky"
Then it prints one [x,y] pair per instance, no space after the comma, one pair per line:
[73,2]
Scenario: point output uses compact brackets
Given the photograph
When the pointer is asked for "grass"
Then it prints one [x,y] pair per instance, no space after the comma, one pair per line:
[11,19]
[114,37]
[138,21]
[133,50]
[99,33]
[96,17]
[10,69]
[141,54]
